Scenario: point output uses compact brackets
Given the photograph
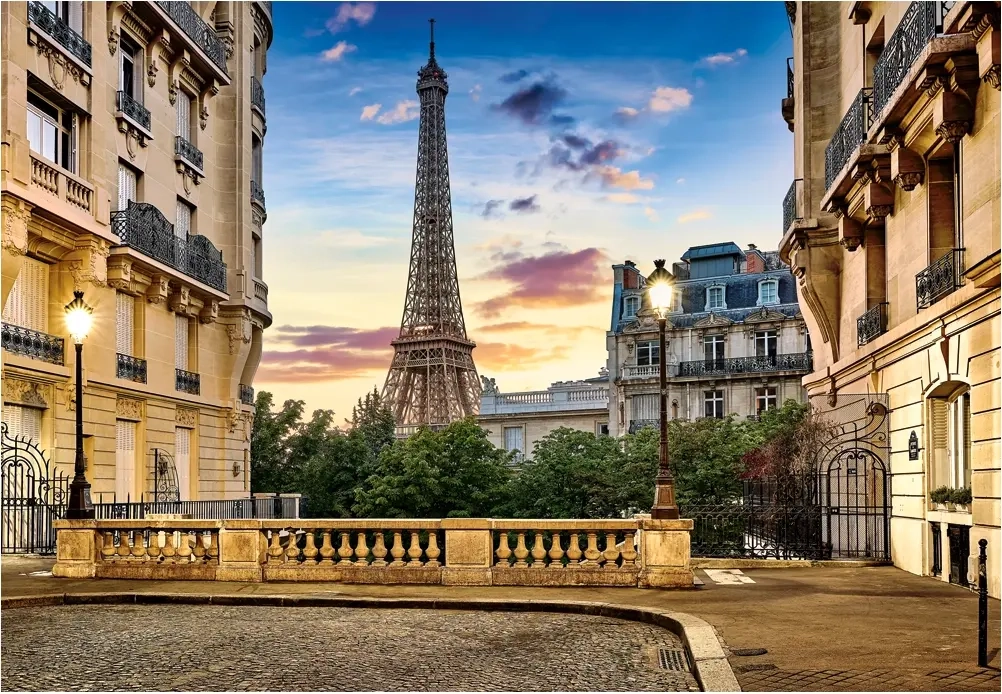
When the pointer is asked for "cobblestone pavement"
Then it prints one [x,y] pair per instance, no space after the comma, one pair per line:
[214,647]
[766,678]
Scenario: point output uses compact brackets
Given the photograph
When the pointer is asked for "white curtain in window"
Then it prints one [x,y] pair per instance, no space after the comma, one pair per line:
[181,342]
[647,406]
[75,15]
[125,460]
[126,186]
[182,225]
[513,439]
[23,422]
[28,302]
[182,460]
[183,105]
[125,313]
[960,441]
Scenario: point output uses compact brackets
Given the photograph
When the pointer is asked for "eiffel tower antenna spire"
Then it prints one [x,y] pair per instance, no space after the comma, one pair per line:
[432,379]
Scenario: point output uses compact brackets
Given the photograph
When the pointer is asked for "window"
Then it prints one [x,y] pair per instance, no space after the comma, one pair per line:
[646,407]
[182,461]
[182,224]
[52,132]
[514,440]
[28,302]
[126,186]
[181,342]
[713,348]
[256,257]
[715,298]
[183,108]
[602,429]
[256,164]
[23,423]
[713,404]
[632,305]
[125,460]
[766,343]
[125,314]
[70,12]
[676,301]
[765,399]
[648,353]
[674,409]
[768,292]
[959,442]
[130,69]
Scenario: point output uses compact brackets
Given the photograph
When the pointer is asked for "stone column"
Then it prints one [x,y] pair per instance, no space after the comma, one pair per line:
[469,552]
[664,553]
[76,549]
[241,551]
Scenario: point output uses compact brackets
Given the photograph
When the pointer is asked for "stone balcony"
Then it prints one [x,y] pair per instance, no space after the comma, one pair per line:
[551,400]
[62,184]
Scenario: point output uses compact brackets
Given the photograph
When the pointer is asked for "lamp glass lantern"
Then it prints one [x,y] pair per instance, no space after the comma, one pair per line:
[79,318]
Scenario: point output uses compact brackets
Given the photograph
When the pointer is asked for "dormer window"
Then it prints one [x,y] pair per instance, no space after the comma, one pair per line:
[768,292]
[715,298]
[630,306]
[676,301]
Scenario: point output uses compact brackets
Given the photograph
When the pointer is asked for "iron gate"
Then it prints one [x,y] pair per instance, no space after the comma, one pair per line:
[163,476]
[33,497]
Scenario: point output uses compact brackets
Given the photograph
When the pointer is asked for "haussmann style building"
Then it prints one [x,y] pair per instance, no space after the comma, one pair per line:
[737,343]
[891,227]
[131,171]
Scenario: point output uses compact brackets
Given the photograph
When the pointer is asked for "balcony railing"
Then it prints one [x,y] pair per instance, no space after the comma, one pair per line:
[188,152]
[257,94]
[871,324]
[789,78]
[246,394]
[921,22]
[187,382]
[801,361]
[61,183]
[134,110]
[131,368]
[143,227]
[260,291]
[638,424]
[33,344]
[645,371]
[791,210]
[44,19]
[197,30]
[257,194]
[939,279]
[849,135]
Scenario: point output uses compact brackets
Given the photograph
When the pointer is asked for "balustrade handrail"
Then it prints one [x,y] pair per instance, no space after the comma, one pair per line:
[942,277]
[533,398]
[257,94]
[791,210]
[246,394]
[593,394]
[33,343]
[798,361]
[189,152]
[133,109]
[871,324]
[130,368]
[789,78]
[849,135]
[187,19]
[187,381]
[42,17]
[257,193]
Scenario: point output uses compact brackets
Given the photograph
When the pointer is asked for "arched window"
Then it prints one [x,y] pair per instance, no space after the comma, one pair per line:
[715,298]
[768,292]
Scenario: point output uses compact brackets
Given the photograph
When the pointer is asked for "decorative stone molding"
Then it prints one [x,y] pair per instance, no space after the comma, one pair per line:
[237,418]
[878,202]
[178,300]
[116,12]
[159,289]
[28,393]
[16,215]
[239,332]
[907,168]
[158,47]
[210,90]
[69,396]
[59,64]
[226,33]
[953,131]
[120,273]
[765,315]
[89,262]
[186,417]
[129,408]
[182,62]
[209,312]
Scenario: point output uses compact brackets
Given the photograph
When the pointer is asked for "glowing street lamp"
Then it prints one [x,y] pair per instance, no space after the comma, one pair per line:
[79,318]
[659,288]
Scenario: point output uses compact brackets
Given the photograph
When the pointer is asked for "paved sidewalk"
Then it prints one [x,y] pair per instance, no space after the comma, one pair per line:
[876,628]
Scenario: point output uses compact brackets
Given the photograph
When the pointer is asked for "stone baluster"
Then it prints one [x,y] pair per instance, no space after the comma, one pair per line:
[556,550]
[153,547]
[108,550]
[123,550]
[138,550]
[504,551]
[344,550]
[629,552]
[520,551]
[361,550]
[538,551]
[292,548]
[275,550]
[573,551]
[591,552]
[310,550]
[414,551]
[169,551]
[433,550]
[326,549]
[184,547]
[397,551]
[212,554]
[379,551]
[611,553]
[199,551]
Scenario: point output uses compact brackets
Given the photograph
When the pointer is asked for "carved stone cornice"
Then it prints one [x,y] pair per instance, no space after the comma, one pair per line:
[209,312]
[178,300]
[186,417]
[181,63]
[116,11]
[210,90]
[159,289]
[907,168]
[120,272]
[25,392]
[16,215]
[89,262]
[239,329]
[129,408]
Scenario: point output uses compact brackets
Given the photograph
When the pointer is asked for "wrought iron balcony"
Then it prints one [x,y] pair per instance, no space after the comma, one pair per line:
[257,94]
[246,394]
[143,227]
[134,110]
[42,17]
[789,78]
[638,424]
[920,23]
[791,208]
[131,368]
[939,279]
[33,344]
[871,324]
[257,194]
[849,135]
[187,382]
[801,361]
[187,151]
[182,14]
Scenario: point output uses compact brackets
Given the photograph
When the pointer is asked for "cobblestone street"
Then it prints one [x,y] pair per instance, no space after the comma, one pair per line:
[210,647]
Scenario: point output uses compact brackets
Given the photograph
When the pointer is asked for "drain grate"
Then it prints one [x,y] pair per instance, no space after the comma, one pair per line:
[673,659]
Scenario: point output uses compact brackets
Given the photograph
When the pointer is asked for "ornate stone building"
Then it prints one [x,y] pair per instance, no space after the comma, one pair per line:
[891,227]
[131,170]
[737,343]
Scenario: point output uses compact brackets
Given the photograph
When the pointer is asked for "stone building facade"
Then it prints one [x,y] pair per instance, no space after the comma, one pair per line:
[131,170]
[516,421]
[737,343]
[891,227]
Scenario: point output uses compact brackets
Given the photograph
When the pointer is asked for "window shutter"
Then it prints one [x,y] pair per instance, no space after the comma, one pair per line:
[646,406]
[181,342]
[13,310]
[75,18]
[125,460]
[182,226]
[182,460]
[126,186]
[28,302]
[940,426]
[183,114]
[125,312]
[24,423]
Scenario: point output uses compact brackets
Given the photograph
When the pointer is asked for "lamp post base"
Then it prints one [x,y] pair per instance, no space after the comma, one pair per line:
[664,507]
[80,506]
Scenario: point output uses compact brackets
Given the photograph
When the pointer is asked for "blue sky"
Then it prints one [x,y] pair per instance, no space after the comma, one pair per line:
[580,135]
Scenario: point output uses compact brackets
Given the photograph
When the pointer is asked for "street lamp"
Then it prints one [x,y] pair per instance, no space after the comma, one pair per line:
[659,289]
[79,317]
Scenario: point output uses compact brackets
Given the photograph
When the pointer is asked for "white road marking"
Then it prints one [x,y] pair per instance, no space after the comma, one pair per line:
[727,577]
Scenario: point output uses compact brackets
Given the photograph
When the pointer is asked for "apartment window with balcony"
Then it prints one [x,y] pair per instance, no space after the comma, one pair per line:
[768,292]
[631,305]
[130,69]
[765,399]
[127,185]
[648,353]
[182,223]
[713,404]
[181,326]
[70,12]
[766,343]
[256,160]
[715,299]
[183,108]
[52,132]
[125,460]
[182,461]
[514,441]
[255,265]
[27,304]
[713,348]
[125,323]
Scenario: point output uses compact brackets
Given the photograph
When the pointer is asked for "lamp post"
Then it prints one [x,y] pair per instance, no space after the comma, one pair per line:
[78,321]
[659,289]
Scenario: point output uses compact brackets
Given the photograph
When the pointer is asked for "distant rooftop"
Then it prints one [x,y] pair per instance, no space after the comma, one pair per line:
[712,250]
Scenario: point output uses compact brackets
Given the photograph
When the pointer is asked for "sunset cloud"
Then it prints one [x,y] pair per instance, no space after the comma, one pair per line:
[325,353]
[338,51]
[694,216]
[360,13]
[668,99]
[369,112]
[725,58]
[614,177]
[401,113]
[651,214]
[495,355]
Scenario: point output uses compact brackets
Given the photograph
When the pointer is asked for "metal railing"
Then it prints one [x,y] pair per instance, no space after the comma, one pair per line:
[182,14]
[47,21]
[638,424]
[849,135]
[131,368]
[246,394]
[939,279]
[920,23]
[257,193]
[143,227]
[800,361]
[133,109]
[33,344]
[789,78]
[791,208]
[871,324]
[277,507]
[257,94]
[188,152]
[187,382]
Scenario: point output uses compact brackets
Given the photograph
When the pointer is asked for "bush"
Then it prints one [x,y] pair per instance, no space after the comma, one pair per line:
[961,496]
[940,495]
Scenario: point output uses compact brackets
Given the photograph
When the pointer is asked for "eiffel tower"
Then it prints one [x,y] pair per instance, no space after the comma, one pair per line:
[432,379]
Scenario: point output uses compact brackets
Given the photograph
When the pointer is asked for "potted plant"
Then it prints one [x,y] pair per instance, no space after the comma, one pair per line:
[961,499]
[940,496]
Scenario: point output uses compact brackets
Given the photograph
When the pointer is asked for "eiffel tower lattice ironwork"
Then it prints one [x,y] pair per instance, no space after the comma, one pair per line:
[432,380]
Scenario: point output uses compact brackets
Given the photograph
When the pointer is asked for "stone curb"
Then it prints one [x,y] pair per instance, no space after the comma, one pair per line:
[706,654]
[711,563]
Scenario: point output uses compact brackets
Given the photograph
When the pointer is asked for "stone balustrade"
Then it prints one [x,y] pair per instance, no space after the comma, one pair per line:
[451,551]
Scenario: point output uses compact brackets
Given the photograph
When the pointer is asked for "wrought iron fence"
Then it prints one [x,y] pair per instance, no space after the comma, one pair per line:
[188,151]
[871,324]
[849,135]
[747,531]
[257,193]
[131,368]
[801,361]
[187,382]
[638,424]
[33,496]
[920,23]
[144,227]
[134,110]
[791,208]
[47,21]
[278,507]
[939,279]
[33,344]
[257,94]
[246,394]
[789,78]
[182,14]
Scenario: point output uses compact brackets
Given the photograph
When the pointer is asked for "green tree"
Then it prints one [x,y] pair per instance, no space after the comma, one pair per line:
[372,423]
[270,453]
[640,467]
[706,457]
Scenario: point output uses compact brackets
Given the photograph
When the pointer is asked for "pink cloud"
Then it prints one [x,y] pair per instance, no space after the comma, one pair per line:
[361,13]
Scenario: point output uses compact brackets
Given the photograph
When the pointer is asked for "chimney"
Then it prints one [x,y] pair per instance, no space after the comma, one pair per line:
[752,247]
[754,262]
